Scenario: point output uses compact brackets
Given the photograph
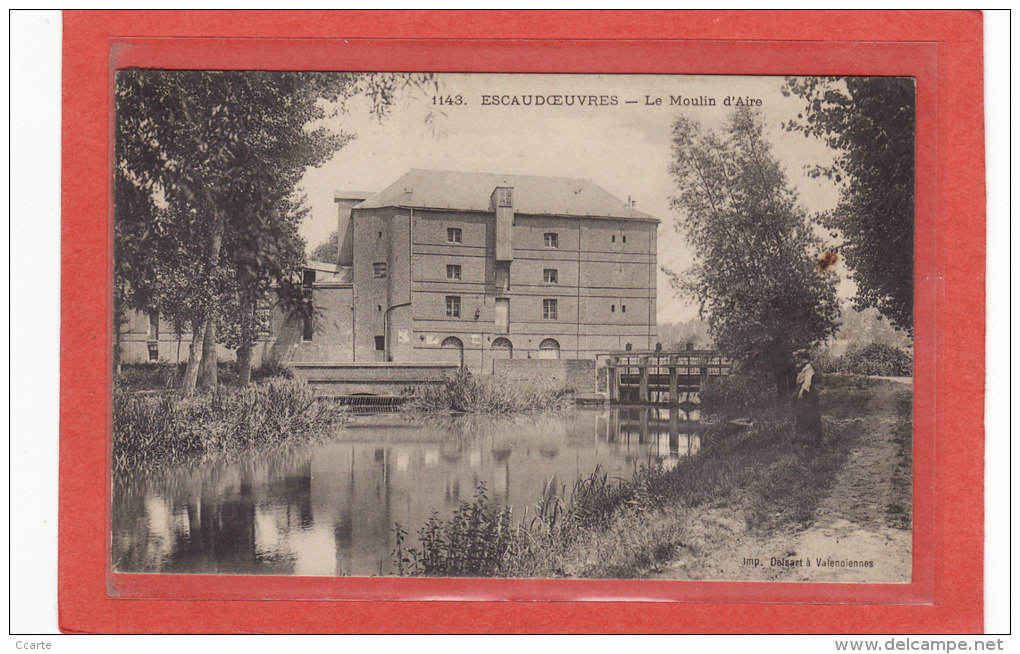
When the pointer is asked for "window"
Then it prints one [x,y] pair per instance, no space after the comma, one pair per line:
[624,239]
[551,276]
[503,276]
[380,234]
[380,343]
[552,240]
[452,306]
[453,272]
[612,309]
[379,270]
[549,349]
[623,308]
[549,309]
[614,238]
[454,235]
[153,333]
[505,197]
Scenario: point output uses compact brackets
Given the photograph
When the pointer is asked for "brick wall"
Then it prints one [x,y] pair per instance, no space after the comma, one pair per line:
[578,374]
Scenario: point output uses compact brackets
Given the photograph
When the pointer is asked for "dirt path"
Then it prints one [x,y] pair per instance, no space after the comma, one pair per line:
[861,532]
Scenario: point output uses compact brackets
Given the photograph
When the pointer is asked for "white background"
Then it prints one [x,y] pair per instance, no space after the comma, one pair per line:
[33,285]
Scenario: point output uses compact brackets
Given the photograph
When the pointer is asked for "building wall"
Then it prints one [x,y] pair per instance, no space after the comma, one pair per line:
[136,336]
[578,374]
[605,288]
[332,329]
[604,292]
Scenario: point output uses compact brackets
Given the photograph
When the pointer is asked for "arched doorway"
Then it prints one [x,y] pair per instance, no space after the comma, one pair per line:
[456,350]
[549,349]
[502,348]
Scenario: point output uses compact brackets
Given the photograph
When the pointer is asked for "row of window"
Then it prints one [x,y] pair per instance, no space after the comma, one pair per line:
[454,272]
[549,275]
[550,308]
[551,239]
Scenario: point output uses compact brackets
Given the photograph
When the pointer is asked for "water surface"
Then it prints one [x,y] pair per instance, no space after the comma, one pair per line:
[330,509]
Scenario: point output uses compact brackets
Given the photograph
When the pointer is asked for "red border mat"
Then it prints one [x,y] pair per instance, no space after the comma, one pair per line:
[942,50]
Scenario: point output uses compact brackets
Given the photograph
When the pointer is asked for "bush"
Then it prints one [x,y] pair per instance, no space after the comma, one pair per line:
[741,394]
[272,368]
[462,392]
[164,429]
[160,376]
[478,540]
[873,359]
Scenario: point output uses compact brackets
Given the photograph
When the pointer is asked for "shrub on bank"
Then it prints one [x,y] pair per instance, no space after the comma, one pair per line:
[739,395]
[873,359]
[463,392]
[154,430]
[479,540]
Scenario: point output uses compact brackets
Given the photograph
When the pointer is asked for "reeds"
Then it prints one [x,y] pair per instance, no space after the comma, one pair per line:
[160,430]
[463,392]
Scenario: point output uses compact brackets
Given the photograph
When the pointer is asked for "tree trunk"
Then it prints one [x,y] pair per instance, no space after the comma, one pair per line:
[243,365]
[208,377]
[116,345]
[207,374]
[194,357]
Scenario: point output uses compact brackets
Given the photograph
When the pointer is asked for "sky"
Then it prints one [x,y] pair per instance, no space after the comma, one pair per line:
[622,147]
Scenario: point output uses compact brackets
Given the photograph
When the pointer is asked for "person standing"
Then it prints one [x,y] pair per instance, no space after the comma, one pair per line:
[807,414]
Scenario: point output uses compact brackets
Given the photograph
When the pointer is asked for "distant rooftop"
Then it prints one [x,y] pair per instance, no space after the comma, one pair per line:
[533,195]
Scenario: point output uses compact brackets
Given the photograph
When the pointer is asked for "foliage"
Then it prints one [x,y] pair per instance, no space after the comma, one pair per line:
[870,123]
[327,251]
[206,163]
[755,275]
[739,395]
[872,359]
[676,335]
[479,538]
[164,429]
[463,392]
[860,328]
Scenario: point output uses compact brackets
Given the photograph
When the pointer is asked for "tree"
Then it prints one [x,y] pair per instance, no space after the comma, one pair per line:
[327,251]
[870,123]
[205,165]
[756,274]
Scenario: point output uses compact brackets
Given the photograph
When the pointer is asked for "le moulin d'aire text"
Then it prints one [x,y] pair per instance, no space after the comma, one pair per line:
[576,100]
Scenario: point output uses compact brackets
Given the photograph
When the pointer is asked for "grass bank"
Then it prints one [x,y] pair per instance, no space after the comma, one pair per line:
[756,482]
[163,429]
[463,392]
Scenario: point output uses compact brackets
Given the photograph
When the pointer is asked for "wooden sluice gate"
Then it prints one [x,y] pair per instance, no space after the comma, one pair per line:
[637,375]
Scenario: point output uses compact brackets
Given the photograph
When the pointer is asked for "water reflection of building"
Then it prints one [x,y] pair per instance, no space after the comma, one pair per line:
[330,510]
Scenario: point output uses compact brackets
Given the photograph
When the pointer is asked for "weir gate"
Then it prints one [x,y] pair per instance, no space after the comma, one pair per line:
[659,376]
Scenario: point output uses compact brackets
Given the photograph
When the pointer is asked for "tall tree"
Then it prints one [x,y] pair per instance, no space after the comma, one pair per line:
[756,274]
[870,123]
[213,157]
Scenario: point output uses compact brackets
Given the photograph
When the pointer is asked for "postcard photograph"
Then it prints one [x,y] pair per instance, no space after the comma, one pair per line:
[513,325]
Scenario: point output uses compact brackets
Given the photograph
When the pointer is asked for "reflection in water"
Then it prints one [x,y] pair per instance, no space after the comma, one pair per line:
[330,509]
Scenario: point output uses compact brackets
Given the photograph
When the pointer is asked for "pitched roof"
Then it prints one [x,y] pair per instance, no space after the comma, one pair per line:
[533,195]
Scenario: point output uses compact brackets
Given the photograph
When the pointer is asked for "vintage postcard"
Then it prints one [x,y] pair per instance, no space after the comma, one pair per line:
[553,326]
[537,322]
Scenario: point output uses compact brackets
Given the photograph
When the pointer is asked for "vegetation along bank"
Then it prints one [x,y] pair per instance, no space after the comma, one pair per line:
[752,493]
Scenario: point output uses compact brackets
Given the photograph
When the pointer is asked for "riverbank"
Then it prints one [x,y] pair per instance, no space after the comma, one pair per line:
[156,429]
[757,502]
[764,504]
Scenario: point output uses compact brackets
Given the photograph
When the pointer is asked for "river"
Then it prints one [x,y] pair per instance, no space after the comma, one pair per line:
[330,509]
